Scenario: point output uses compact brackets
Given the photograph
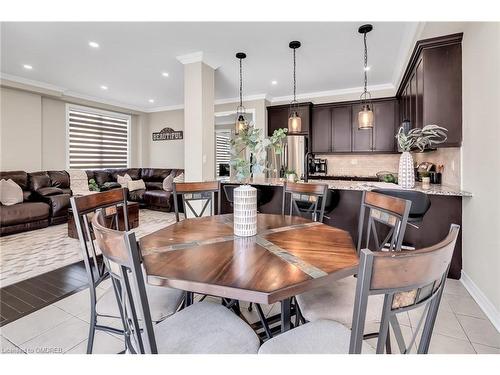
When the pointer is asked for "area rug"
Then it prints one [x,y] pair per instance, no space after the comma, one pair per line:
[29,254]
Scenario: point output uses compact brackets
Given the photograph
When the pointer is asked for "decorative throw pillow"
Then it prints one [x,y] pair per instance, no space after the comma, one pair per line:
[136,185]
[10,193]
[78,182]
[179,178]
[123,180]
[167,183]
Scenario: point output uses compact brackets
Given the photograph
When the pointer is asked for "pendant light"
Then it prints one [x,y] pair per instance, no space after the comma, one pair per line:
[294,120]
[241,124]
[365,116]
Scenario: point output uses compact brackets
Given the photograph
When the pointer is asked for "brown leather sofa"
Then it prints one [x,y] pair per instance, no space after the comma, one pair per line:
[23,216]
[153,197]
[47,193]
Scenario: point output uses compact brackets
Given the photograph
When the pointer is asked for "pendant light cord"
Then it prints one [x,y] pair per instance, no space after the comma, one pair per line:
[366,63]
[294,77]
[241,85]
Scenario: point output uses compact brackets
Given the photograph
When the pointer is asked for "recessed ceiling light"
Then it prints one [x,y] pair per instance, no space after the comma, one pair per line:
[367,68]
[151,100]
[274,82]
[26,66]
[164,74]
[94,44]
[103,87]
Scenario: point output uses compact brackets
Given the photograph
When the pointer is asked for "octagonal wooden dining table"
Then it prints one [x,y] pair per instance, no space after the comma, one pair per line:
[288,256]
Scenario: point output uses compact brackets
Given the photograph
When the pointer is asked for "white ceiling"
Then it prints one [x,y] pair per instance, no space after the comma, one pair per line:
[132,56]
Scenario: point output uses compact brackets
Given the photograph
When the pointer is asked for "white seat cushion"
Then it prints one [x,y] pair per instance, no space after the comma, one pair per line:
[205,328]
[163,302]
[336,302]
[319,337]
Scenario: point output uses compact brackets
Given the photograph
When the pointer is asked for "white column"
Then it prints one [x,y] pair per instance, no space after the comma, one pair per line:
[199,136]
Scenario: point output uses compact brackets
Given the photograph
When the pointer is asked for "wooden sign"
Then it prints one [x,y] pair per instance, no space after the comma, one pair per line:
[168,134]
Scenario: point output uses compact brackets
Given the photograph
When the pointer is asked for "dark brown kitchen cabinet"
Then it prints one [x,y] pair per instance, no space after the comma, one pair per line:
[362,139]
[385,114]
[322,129]
[341,129]
[431,88]
[277,117]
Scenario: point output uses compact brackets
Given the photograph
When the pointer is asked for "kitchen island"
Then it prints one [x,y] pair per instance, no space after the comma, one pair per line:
[446,208]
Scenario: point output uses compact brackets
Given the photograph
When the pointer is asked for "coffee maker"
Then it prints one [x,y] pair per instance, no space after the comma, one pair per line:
[318,167]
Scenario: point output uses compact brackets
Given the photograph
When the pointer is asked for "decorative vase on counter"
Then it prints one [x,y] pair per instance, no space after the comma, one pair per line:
[245,211]
[406,173]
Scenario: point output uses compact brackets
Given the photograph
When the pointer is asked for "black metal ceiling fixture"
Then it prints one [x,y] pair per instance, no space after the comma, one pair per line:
[294,120]
[241,123]
[365,116]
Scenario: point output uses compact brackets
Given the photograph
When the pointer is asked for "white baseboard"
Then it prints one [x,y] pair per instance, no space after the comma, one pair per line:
[484,303]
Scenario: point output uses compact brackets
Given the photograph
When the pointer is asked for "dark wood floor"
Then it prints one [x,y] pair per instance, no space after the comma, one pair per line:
[27,296]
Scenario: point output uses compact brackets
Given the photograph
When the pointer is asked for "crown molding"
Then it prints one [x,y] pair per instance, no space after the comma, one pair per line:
[195,57]
[409,39]
[346,91]
[77,95]
[30,82]
[164,108]
[247,98]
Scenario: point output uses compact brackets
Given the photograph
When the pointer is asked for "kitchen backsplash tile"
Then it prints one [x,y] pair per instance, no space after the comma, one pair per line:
[369,165]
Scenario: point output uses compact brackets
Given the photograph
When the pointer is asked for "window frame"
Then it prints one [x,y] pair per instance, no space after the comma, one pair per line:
[96,111]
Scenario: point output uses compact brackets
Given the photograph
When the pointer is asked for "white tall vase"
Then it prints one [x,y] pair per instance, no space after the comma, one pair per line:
[245,211]
[406,174]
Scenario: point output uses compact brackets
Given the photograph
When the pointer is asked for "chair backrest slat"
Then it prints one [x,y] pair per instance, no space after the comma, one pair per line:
[203,192]
[305,199]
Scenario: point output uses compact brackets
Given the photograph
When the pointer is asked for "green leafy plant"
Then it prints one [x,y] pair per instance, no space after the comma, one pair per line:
[93,185]
[277,140]
[421,138]
[249,148]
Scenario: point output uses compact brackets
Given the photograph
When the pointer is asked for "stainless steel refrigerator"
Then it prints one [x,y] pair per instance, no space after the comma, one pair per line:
[292,158]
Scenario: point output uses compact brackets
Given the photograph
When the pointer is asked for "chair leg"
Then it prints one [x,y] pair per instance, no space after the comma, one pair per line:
[93,322]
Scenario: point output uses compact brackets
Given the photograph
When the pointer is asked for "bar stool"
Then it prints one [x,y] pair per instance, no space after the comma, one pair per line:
[420,204]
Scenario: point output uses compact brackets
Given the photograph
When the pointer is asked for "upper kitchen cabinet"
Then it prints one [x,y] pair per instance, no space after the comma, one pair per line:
[431,88]
[335,127]
[341,138]
[322,129]
[277,117]
[385,125]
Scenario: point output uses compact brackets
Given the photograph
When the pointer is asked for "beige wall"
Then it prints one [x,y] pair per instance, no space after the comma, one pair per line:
[481,158]
[33,131]
[53,134]
[20,130]
[165,154]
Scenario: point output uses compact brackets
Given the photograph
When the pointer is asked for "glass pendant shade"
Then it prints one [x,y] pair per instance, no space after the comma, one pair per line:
[365,118]
[241,124]
[294,123]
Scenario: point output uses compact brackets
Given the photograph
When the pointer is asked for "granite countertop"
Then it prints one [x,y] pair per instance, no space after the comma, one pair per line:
[362,185]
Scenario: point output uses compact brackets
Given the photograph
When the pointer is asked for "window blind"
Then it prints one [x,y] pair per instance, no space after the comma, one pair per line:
[222,149]
[97,140]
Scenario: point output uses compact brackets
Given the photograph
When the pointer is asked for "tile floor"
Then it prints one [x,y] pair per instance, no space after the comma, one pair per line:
[461,327]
